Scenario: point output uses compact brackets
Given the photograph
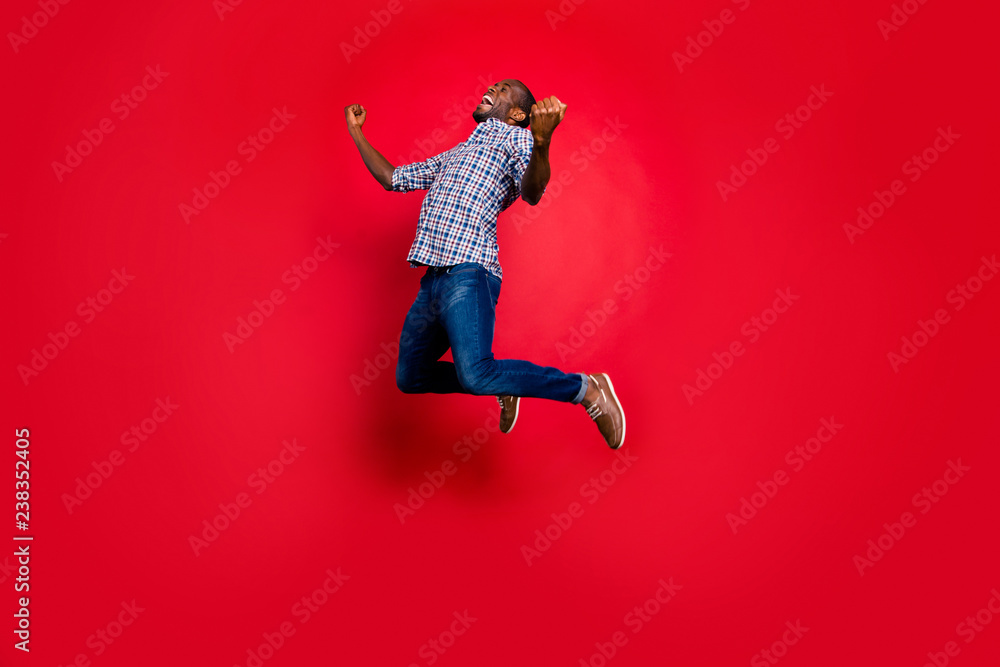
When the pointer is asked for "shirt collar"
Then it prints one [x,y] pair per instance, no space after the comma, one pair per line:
[493,125]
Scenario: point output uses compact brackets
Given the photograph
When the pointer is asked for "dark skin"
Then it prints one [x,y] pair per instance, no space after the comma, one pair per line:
[501,102]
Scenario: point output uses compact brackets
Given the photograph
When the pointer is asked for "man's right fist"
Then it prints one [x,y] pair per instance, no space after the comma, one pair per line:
[355,114]
[546,114]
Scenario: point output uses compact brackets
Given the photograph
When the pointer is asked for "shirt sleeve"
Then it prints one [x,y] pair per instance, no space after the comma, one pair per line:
[417,175]
[521,145]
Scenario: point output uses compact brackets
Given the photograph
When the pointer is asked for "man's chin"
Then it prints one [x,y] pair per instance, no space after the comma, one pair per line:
[482,112]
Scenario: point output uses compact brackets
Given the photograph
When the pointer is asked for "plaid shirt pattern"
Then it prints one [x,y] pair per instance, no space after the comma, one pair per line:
[467,187]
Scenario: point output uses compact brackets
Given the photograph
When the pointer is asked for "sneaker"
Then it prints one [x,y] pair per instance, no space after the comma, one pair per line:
[606,411]
[508,412]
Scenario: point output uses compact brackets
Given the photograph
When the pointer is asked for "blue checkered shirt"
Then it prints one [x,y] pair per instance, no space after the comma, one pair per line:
[467,187]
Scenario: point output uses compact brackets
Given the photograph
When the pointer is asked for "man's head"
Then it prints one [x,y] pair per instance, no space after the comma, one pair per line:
[509,101]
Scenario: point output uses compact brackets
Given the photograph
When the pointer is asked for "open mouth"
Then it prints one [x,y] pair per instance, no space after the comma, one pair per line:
[487,101]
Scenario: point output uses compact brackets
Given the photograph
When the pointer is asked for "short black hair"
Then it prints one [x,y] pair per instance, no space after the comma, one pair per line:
[525,102]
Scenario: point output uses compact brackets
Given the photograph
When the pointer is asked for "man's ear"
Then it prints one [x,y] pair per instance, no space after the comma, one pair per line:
[517,115]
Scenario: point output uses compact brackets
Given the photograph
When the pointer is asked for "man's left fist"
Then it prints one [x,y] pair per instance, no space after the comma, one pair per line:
[545,115]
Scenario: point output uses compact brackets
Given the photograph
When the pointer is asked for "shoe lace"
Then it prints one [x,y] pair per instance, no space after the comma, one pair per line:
[500,401]
[595,411]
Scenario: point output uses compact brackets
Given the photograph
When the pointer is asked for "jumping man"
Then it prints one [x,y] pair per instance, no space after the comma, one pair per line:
[467,187]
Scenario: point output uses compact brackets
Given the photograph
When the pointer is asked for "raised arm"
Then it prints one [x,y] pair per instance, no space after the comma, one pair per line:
[380,168]
[545,115]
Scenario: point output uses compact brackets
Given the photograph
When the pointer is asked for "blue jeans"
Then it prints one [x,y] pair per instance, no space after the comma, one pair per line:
[456,308]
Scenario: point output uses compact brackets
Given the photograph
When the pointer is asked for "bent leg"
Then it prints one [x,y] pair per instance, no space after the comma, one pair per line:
[421,344]
[471,294]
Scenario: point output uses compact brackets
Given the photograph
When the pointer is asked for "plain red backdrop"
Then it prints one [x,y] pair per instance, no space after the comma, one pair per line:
[318,369]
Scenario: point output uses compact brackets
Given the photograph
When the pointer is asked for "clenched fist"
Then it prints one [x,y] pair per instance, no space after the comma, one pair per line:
[545,115]
[355,114]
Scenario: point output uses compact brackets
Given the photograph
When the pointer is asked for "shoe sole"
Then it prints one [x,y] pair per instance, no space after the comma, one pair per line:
[517,410]
[614,397]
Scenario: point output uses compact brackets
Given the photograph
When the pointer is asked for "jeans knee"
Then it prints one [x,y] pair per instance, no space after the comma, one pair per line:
[476,380]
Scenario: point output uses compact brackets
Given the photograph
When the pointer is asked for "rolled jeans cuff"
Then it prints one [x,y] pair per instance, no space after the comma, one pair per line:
[583,389]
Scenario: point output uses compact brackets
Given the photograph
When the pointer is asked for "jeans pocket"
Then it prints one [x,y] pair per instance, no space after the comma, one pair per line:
[460,269]
[493,284]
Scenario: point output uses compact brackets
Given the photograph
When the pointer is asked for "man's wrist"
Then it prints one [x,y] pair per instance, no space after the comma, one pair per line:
[541,143]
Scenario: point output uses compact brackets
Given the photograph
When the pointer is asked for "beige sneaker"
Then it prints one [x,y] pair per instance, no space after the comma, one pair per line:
[508,412]
[607,412]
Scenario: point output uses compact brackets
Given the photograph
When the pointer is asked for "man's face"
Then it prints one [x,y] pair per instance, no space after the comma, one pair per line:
[498,102]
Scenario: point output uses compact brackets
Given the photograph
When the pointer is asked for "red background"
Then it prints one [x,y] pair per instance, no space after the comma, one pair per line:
[366,446]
